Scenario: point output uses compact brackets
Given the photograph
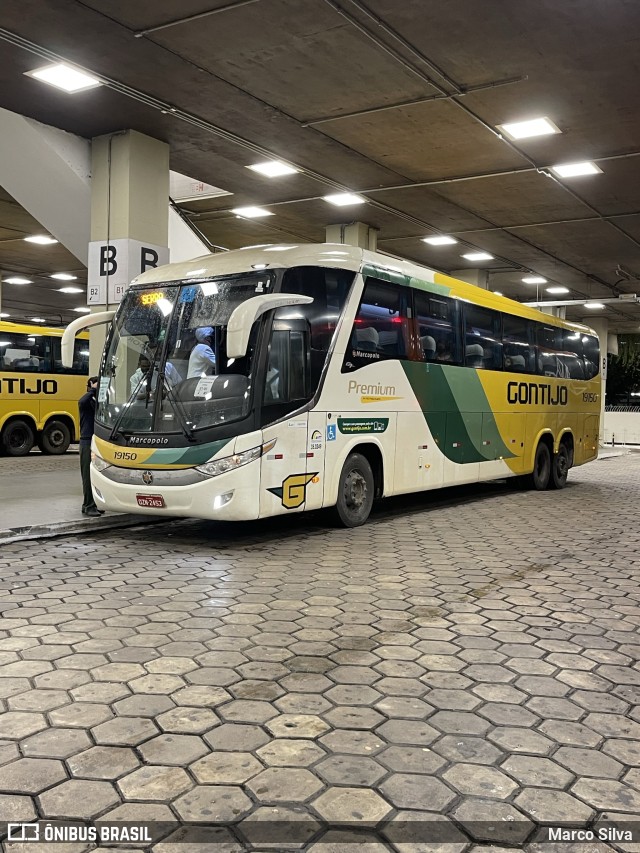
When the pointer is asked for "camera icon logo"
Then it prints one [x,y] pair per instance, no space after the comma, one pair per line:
[23,832]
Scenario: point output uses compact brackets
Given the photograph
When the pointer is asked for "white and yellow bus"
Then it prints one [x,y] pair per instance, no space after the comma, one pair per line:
[38,396]
[341,375]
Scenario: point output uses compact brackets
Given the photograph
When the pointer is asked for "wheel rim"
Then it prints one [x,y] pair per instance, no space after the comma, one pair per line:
[56,437]
[18,438]
[355,491]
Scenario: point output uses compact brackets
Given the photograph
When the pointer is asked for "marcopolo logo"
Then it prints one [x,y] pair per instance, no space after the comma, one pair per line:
[537,394]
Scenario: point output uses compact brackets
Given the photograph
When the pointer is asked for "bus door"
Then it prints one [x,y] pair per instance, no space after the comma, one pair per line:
[289,468]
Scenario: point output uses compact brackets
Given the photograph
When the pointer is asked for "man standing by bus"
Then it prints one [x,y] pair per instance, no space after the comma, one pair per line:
[87,409]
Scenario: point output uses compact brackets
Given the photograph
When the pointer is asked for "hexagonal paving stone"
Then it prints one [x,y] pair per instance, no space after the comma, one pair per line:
[354,718]
[31,775]
[80,715]
[226,768]
[297,726]
[124,731]
[236,737]
[158,818]
[613,725]
[284,784]
[14,808]
[101,692]
[410,759]
[56,743]
[410,791]
[156,683]
[78,799]
[143,705]
[290,753]
[103,762]
[8,752]
[187,720]
[155,783]
[459,722]
[16,725]
[351,805]
[353,742]
[117,672]
[408,731]
[352,694]
[470,750]
[213,804]
[453,700]
[248,711]
[302,703]
[406,831]
[478,781]
[608,795]
[38,700]
[588,762]
[270,827]
[521,740]
[557,709]
[537,772]
[506,827]
[355,770]
[571,734]
[552,807]
[201,696]
[175,750]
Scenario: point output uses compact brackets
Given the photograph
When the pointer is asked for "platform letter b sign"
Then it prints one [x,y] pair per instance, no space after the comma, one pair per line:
[148,259]
[108,263]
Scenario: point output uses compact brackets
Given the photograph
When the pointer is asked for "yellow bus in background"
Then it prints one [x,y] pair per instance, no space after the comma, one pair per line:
[38,396]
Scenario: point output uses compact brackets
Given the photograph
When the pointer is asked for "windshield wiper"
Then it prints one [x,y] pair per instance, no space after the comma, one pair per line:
[177,407]
[133,396]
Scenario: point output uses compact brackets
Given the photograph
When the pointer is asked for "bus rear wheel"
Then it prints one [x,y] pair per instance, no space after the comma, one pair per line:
[55,438]
[541,474]
[17,438]
[560,468]
[355,491]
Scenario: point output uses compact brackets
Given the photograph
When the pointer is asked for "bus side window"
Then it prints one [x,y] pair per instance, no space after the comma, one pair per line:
[517,345]
[436,319]
[22,353]
[286,383]
[380,326]
[482,337]
[591,350]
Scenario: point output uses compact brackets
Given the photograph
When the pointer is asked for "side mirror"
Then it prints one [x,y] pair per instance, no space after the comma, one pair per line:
[75,326]
[245,315]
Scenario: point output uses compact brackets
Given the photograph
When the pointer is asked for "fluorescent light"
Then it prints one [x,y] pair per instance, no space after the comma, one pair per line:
[251,212]
[498,293]
[259,266]
[441,240]
[63,276]
[593,305]
[532,127]
[41,239]
[82,310]
[575,170]
[534,279]
[343,199]
[70,290]
[16,279]
[557,290]
[38,320]
[273,168]
[64,77]
[478,256]
[4,314]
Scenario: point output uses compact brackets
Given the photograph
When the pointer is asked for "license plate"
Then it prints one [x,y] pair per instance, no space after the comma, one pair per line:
[150,501]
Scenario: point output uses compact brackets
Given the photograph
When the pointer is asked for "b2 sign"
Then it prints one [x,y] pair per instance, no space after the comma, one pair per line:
[114,263]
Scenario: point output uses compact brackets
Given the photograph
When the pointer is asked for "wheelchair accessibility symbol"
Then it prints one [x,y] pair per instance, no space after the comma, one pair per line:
[331,432]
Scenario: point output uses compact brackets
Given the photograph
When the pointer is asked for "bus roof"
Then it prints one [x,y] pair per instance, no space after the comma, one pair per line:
[35,329]
[338,255]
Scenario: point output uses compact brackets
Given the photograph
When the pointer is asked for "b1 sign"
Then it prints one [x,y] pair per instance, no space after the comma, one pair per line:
[114,263]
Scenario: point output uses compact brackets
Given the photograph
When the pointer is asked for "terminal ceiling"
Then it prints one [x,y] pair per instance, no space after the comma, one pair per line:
[397,101]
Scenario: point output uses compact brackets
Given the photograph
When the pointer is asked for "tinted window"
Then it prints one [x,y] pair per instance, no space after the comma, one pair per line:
[571,355]
[80,357]
[591,354]
[380,327]
[436,319]
[482,338]
[549,349]
[518,352]
[23,353]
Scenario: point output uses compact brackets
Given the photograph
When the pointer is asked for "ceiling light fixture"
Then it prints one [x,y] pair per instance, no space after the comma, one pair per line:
[16,279]
[440,240]
[273,169]
[525,129]
[593,305]
[63,276]
[82,310]
[4,314]
[534,279]
[557,290]
[344,199]
[70,290]
[65,77]
[576,170]
[41,239]
[251,212]
[478,256]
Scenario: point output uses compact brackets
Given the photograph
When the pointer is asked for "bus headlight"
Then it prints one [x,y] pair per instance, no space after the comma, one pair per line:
[98,462]
[230,463]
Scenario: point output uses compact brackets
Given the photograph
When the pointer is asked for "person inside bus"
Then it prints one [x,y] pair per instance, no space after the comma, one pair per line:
[87,411]
[144,363]
[202,360]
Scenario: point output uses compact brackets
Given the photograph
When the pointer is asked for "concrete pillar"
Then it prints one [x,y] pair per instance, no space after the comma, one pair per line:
[600,326]
[129,222]
[353,234]
[478,277]
[559,311]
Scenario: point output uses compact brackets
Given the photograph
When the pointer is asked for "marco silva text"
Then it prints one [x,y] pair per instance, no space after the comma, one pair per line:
[602,833]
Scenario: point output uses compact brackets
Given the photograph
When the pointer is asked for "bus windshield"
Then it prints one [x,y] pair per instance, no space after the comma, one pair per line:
[166,368]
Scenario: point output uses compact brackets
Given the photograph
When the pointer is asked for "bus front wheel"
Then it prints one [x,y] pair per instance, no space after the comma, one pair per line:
[560,468]
[355,491]
[541,474]
[17,438]
[55,438]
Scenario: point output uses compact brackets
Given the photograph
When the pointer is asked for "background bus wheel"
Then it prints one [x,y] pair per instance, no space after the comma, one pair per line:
[355,491]
[55,438]
[17,438]
[539,478]
[559,468]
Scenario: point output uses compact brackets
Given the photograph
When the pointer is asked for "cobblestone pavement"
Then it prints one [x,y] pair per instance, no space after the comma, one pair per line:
[465,663]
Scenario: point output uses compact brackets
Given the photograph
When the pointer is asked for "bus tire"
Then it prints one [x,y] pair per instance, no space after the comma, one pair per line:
[541,474]
[17,438]
[559,468]
[55,438]
[356,489]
